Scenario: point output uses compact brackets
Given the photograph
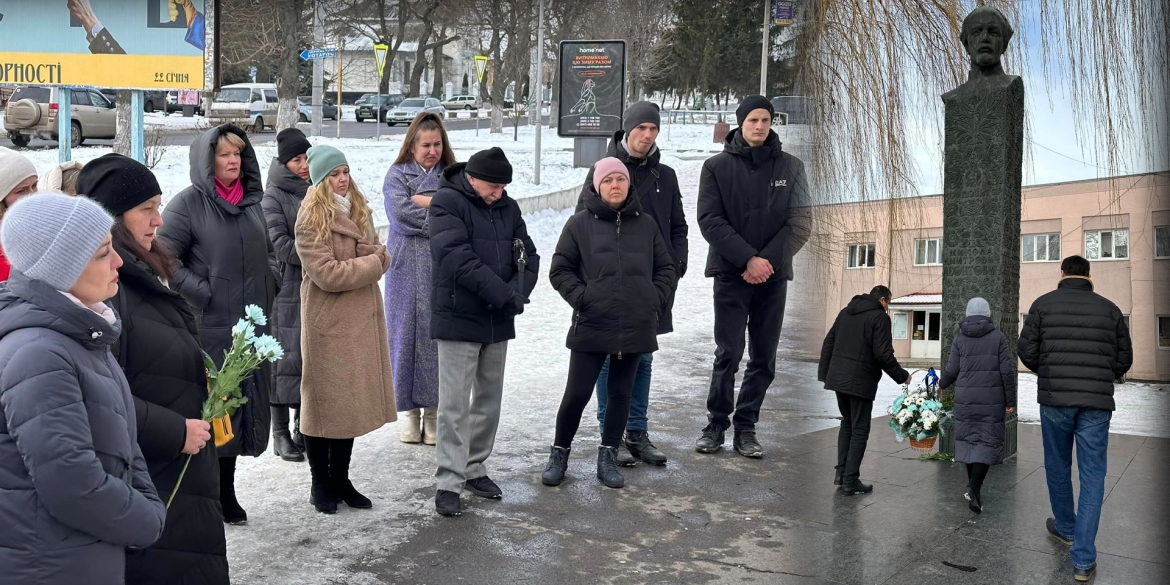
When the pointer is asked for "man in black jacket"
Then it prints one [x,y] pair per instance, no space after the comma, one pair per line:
[655,186]
[477,293]
[1077,342]
[856,351]
[753,211]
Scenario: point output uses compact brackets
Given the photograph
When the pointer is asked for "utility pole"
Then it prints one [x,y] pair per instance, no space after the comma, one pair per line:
[319,70]
[764,48]
[539,87]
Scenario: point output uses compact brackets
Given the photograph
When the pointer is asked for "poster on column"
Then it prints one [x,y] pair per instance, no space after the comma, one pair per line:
[131,44]
[592,88]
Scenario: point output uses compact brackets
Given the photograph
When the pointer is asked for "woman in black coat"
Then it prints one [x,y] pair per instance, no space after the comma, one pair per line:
[216,229]
[982,369]
[613,267]
[160,355]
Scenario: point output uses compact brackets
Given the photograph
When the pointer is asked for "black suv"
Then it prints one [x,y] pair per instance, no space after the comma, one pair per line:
[384,103]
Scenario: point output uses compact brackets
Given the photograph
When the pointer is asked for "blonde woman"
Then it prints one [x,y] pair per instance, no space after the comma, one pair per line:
[346,385]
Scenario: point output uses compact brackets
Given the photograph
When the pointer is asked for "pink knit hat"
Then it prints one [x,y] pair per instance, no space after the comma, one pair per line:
[606,167]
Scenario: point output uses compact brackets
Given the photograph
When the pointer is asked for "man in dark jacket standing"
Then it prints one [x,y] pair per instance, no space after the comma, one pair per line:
[1077,342]
[655,186]
[477,293]
[856,351]
[753,211]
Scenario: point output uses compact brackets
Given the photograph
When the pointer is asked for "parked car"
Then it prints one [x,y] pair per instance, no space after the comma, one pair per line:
[250,105]
[384,103]
[462,102]
[32,113]
[172,101]
[305,109]
[151,100]
[405,112]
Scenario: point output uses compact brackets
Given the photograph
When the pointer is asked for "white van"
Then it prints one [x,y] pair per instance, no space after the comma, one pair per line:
[248,105]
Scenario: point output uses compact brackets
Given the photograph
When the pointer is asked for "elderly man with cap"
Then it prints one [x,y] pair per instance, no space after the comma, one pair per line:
[753,201]
[18,177]
[485,266]
[655,185]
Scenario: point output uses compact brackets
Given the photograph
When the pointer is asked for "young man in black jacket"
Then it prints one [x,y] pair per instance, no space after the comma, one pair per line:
[753,211]
[655,186]
[856,351]
[1077,342]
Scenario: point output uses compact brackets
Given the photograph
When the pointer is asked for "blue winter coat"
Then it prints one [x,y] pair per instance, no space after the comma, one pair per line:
[981,368]
[74,487]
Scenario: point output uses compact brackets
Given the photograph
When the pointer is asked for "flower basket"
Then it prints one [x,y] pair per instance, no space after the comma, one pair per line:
[925,445]
[918,414]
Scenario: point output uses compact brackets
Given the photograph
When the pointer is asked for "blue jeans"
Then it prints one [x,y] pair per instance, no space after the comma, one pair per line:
[1090,428]
[639,400]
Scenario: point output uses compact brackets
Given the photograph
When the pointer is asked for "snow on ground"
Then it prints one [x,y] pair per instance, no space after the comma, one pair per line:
[175,120]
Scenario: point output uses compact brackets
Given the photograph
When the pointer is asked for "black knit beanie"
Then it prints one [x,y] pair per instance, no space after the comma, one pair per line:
[641,113]
[490,165]
[750,104]
[117,182]
[291,143]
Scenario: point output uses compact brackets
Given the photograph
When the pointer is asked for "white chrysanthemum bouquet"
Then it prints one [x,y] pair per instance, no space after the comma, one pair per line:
[917,415]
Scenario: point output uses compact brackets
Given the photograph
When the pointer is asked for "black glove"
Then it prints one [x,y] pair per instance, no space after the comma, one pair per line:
[515,304]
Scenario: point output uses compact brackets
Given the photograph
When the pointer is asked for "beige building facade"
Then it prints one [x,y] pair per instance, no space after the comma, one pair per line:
[1121,224]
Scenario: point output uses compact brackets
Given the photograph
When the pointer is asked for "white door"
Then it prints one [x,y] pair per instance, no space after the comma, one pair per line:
[918,335]
[934,334]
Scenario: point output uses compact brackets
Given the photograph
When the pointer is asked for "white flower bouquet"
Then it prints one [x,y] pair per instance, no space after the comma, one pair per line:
[917,415]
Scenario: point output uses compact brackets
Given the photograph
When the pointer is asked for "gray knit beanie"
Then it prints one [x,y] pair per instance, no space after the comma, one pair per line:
[641,113]
[978,306]
[14,168]
[51,237]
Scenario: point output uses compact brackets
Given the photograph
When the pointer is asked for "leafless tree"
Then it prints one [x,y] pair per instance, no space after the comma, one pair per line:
[377,20]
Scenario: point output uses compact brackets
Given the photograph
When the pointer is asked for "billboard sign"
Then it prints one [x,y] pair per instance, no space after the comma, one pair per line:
[783,16]
[593,88]
[133,44]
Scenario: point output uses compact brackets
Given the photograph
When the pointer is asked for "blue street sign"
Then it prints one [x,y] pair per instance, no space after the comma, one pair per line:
[308,54]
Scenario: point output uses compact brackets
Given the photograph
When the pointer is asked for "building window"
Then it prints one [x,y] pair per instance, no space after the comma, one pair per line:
[900,320]
[1040,248]
[861,255]
[1107,245]
[928,252]
[1163,332]
[1162,242]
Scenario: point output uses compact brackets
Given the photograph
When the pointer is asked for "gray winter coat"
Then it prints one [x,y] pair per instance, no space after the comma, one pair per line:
[981,369]
[281,203]
[74,487]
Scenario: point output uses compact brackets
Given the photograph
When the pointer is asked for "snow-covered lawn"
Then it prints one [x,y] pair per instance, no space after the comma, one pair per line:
[176,121]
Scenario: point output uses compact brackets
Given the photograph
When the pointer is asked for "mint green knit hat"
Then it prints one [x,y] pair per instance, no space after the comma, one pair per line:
[322,160]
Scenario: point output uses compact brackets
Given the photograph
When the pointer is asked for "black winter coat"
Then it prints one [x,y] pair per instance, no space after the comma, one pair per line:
[228,263]
[858,348]
[282,200]
[614,269]
[1077,343]
[474,273]
[753,202]
[981,369]
[655,185]
[159,353]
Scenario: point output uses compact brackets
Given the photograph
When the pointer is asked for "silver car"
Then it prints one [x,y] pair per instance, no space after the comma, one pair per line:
[32,113]
[405,112]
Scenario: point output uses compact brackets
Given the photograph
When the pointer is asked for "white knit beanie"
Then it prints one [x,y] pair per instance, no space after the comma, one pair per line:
[51,237]
[978,306]
[14,168]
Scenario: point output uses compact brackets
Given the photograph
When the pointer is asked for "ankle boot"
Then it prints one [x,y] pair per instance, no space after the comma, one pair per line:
[232,512]
[340,452]
[411,427]
[607,467]
[320,495]
[558,464]
[297,438]
[430,421]
[282,444]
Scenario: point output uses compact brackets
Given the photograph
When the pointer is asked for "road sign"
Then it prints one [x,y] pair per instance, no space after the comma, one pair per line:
[308,54]
[380,51]
[480,65]
[783,15]
[252,73]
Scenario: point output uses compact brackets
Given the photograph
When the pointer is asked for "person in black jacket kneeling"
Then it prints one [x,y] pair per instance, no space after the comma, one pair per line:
[613,267]
[856,351]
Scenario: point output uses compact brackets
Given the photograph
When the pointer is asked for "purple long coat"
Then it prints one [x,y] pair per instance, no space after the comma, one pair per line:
[413,354]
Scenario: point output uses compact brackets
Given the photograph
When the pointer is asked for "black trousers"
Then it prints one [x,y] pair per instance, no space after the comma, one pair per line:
[583,370]
[757,309]
[851,441]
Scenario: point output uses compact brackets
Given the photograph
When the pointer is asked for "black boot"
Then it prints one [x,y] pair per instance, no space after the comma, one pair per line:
[282,444]
[638,442]
[339,455]
[320,495]
[558,463]
[297,438]
[232,512]
[607,468]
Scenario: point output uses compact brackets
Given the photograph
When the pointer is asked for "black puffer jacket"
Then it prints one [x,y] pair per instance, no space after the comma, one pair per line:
[858,348]
[753,202]
[159,352]
[1077,343]
[981,369]
[282,200]
[614,269]
[474,272]
[655,185]
[228,263]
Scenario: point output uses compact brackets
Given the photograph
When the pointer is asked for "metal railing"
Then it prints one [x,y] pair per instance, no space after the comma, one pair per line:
[711,117]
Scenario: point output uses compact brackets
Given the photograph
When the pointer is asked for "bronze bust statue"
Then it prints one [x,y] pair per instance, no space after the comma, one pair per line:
[985,36]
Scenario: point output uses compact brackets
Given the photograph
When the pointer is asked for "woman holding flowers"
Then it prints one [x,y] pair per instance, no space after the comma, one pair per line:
[160,355]
[346,385]
[982,369]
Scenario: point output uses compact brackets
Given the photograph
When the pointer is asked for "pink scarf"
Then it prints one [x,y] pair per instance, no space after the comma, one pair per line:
[233,193]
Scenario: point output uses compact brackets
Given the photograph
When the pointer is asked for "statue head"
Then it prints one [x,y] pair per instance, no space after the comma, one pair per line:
[985,36]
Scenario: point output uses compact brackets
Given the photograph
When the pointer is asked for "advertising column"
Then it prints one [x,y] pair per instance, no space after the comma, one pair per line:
[593,91]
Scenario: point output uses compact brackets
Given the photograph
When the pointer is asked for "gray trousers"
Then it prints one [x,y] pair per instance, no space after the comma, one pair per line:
[471,387]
